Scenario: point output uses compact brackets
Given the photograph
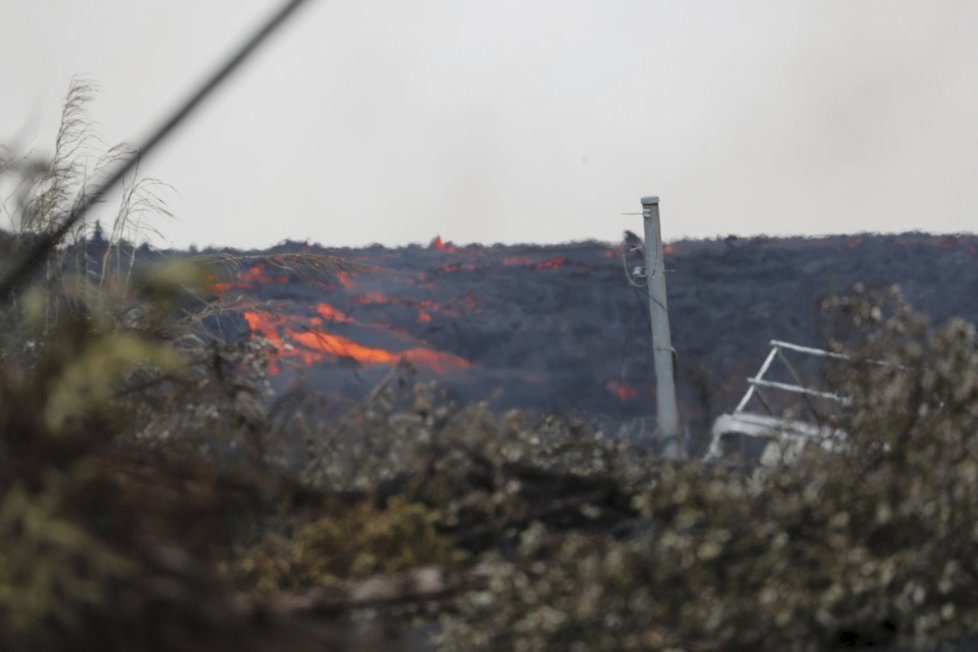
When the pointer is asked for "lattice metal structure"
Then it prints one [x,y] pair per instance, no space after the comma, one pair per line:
[770,438]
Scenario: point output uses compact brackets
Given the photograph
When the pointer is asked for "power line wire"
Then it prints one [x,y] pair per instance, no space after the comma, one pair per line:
[36,255]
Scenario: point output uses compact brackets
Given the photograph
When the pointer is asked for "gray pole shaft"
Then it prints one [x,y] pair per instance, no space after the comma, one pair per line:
[668,413]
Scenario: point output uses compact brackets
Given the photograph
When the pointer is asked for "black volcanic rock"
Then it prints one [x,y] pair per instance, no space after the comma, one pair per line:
[557,327]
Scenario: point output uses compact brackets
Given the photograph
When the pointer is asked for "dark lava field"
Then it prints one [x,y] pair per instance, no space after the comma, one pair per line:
[558,328]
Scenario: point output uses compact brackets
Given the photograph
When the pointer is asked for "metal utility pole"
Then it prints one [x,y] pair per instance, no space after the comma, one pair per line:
[665,394]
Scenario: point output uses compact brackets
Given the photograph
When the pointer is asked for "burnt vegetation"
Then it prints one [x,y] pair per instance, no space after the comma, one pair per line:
[160,490]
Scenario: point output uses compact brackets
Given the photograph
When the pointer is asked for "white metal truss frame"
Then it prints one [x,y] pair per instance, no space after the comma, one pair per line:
[758,381]
[789,435]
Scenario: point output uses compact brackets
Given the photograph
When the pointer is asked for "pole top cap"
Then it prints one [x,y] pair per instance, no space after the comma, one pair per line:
[650,201]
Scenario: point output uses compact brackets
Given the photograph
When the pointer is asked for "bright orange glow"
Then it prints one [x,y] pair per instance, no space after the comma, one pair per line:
[331,314]
[424,316]
[342,347]
[441,245]
[311,346]
[669,249]
[622,391]
[343,278]
[217,286]
[436,360]
[553,263]
[255,275]
[267,326]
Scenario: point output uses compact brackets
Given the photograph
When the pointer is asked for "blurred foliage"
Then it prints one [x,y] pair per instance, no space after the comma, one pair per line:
[347,542]
[49,565]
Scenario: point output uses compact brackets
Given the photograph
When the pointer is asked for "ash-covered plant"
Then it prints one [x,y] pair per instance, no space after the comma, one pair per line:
[403,426]
[916,386]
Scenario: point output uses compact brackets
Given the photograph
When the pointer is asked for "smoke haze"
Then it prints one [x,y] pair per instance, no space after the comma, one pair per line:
[384,121]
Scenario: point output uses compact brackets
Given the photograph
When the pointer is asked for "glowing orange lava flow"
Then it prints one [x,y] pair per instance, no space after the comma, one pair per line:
[312,346]
[554,263]
[217,286]
[343,278]
[342,347]
[441,245]
[332,314]
[255,275]
[267,326]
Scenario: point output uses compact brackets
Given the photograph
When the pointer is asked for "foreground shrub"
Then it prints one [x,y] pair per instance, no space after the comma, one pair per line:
[873,544]
[343,543]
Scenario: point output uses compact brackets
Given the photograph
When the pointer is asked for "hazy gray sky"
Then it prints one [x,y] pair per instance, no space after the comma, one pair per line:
[536,121]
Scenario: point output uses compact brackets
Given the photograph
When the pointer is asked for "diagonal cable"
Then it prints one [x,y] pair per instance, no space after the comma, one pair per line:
[39,251]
